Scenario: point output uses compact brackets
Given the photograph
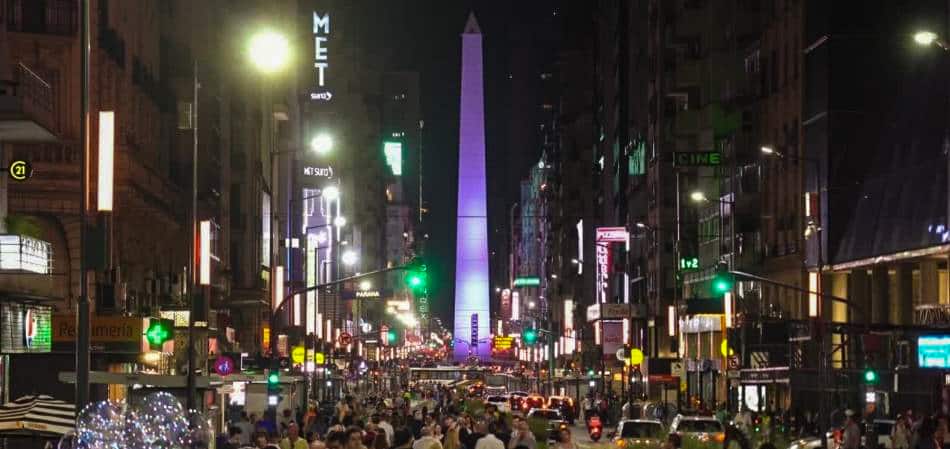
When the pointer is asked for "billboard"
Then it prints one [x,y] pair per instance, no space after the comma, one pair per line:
[933,351]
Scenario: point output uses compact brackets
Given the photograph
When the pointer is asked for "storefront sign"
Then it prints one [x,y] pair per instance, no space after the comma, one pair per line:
[108,333]
[25,328]
[593,312]
[604,237]
[764,375]
[612,337]
[20,253]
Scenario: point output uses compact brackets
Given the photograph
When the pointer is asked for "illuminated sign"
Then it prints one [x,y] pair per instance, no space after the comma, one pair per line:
[603,238]
[503,342]
[527,281]
[25,254]
[697,159]
[321,60]
[20,170]
[26,328]
[319,172]
[393,152]
[474,330]
[689,263]
[933,351]
[368,294]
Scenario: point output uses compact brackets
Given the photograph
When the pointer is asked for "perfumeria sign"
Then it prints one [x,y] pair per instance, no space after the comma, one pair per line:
[321,60]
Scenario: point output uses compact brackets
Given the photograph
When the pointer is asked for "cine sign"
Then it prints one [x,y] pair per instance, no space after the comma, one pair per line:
[697,159]
[528,281]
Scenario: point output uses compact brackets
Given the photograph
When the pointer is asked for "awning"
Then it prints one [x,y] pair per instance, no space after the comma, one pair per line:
[36,415]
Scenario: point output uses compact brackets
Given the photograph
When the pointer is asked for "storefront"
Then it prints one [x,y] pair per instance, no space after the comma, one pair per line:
[24,329]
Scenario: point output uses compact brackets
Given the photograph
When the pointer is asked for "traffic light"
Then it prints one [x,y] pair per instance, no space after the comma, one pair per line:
[159,331]
[590,372]
[723,280]
[870,376]
[273,386]
[391,337]
[530,336]
[417,277]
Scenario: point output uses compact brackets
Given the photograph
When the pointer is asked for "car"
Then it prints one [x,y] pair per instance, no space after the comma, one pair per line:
[565,404]
[555,419]
[703,428]
[639,432]
[532,402]
[500,402]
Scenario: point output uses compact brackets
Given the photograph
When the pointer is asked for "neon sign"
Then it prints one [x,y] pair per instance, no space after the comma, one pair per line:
[321,36]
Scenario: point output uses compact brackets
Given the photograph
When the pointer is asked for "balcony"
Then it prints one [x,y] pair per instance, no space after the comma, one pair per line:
[56,17]
[26,108]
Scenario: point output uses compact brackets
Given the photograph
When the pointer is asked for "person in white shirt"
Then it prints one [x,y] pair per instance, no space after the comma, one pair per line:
[427,440]
[489,441]
[386,427]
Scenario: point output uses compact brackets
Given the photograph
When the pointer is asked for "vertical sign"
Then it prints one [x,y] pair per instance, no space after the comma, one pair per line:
[506,304]
[474,341]
[612,335]
[204,258]
[106,159]
[604,237]
[321,60]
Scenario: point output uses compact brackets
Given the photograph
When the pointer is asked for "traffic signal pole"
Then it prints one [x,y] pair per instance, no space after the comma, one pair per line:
[336,282]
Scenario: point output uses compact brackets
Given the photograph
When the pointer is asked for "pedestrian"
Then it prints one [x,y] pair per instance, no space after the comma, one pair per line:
[427,440]
[852,433]
[247,429]
[354,438]
[900,433]
[293,440]
[489,441]
[926,434]
[402,438]
[521,435]
[451,439]
[564,440]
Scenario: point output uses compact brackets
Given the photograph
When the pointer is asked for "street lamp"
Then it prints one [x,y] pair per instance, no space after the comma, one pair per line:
[339,221]
[349,258]
[331,193]
[269,51]
[365,285]
[767,150]
[698,197]
[321,144]
[927,38]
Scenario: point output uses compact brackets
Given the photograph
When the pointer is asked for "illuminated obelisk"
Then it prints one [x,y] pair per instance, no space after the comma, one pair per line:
[471,241]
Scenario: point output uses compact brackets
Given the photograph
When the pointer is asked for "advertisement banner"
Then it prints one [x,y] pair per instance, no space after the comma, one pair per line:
[612,332]
[24,328]
[108,333]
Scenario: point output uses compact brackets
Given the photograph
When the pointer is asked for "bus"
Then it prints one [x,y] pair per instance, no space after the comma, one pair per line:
[447,376]
[507,381]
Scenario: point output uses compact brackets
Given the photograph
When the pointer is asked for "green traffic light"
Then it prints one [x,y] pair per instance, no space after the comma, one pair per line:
[870,376]
[722,285]
[391,336]
[530,336]
[273,378]
[590,373]
[157,332]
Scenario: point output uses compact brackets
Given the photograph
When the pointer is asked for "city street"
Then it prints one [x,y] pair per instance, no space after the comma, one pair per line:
[256,224]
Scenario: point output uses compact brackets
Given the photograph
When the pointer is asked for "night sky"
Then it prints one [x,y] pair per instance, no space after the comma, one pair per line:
[519,39]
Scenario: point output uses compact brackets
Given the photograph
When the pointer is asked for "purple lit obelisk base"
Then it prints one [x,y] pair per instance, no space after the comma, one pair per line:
[471,244]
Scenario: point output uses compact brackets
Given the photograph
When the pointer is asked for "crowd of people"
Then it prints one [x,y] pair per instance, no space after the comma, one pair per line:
[435,419]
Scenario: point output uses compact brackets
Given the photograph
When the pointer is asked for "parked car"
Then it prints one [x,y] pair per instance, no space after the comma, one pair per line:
[703,428]
[639,432]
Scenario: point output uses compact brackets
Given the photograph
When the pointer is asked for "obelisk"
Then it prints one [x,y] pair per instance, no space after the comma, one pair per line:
[471,241]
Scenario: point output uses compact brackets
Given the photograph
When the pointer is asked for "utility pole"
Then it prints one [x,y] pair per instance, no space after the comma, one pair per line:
[82,313]
[192,279]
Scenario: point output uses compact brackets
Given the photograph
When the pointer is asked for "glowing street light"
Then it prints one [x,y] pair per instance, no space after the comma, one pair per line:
[331,193]
[365,285]
[925,38]
[767,150]
[322,144]
[339,221]
[269,51]
[349,258]
[698,196]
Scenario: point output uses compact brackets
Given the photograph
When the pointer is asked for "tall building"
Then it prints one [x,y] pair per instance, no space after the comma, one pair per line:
[471,258]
